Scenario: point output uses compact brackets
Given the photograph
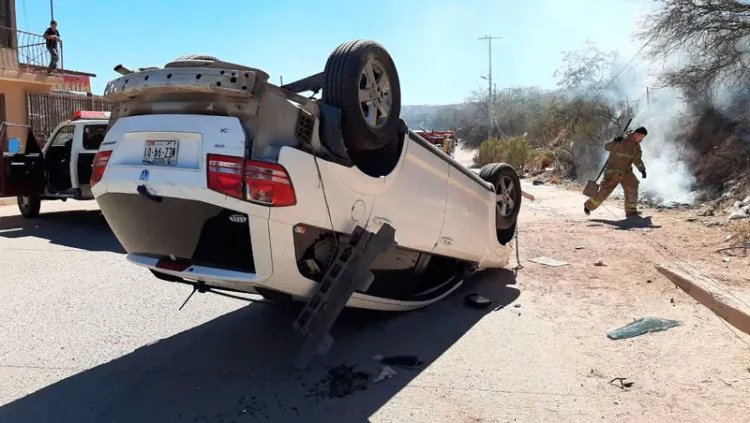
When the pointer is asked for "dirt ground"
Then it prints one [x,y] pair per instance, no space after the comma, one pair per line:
[699,371]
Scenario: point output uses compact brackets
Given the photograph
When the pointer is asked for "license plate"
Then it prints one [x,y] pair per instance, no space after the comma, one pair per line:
[160,152]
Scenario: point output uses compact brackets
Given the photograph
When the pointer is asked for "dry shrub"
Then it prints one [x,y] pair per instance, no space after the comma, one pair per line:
[740,232]
[722,149]
[516,151]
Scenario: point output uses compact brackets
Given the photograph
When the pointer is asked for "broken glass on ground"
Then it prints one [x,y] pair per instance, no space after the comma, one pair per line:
[385,373]
[410,362]
[548,261]
[642,326]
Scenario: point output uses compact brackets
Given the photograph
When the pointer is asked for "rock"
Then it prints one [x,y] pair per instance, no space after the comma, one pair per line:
[740,209]
[691,219]
[580,247]
[600,263]
[477,301]
[727,259]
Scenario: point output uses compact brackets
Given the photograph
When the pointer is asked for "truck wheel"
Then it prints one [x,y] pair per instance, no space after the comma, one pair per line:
[508,188]
[29,206]
[361,80]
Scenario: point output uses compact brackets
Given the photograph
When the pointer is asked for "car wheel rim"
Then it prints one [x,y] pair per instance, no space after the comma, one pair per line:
[506,194]
[375,94]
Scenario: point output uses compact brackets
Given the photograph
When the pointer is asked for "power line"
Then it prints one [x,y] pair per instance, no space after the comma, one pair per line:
[629,62]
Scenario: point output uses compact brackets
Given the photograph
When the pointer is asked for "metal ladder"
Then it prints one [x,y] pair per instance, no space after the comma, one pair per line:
[349,272]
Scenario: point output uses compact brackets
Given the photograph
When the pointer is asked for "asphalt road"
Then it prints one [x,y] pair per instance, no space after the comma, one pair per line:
[86,337]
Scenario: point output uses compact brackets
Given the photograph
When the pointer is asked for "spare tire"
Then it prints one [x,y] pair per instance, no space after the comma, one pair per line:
[361,80]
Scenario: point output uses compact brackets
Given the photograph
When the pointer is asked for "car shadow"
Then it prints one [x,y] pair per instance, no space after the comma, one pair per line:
[83,229]
[630,223]
[239,367]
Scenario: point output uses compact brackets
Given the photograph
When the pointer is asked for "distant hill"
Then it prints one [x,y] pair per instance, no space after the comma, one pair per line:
[429,117]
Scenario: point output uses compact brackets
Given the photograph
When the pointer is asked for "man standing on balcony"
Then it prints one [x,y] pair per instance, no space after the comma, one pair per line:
[52,35]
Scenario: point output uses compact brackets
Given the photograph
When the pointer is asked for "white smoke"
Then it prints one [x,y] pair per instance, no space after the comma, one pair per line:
[665,154]
[463,155]
[669,179]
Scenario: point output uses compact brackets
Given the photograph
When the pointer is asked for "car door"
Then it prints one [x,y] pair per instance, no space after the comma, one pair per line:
[22,173]
[413,198]
[91,136]
[468,213]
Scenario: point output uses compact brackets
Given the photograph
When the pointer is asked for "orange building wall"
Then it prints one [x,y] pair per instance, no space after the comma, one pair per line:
[16,104]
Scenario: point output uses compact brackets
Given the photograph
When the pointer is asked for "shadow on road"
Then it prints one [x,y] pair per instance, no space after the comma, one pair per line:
[84,229]
[238,367]
[631,223]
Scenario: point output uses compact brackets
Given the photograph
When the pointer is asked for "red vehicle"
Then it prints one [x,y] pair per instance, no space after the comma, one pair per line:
[444,140]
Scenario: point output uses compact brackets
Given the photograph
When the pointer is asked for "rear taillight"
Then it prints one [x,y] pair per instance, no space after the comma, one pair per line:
[264,183]
[100,164]
[269,184]
[225,175]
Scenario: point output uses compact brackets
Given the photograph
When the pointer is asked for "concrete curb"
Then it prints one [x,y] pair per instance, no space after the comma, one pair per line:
[8,201]
[708,293]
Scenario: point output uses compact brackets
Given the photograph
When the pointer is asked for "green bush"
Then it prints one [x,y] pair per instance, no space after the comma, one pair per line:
[516,151]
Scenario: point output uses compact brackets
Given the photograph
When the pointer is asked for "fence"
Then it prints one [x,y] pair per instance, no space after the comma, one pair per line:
[26,49]
[47,110]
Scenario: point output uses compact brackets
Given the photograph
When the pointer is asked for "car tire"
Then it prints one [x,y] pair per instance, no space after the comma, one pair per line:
[364,67]
[29,206]
[505,180]
[505,236]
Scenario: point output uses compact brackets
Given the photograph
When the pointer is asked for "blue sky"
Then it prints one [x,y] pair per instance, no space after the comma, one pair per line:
[434,42]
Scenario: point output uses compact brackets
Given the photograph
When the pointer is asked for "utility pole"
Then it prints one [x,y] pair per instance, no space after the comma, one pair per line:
[490,99]
[52,10]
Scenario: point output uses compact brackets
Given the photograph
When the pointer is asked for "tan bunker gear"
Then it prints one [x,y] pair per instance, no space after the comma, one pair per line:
[623,154]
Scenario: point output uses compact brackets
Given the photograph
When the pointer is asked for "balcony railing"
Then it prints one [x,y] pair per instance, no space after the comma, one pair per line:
[24,49]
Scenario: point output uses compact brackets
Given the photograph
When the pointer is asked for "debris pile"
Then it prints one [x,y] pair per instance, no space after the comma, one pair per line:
[340,382]
[740,209]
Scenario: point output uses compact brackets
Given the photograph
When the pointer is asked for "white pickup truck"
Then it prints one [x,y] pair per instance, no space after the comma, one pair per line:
[58,170]
[212,176]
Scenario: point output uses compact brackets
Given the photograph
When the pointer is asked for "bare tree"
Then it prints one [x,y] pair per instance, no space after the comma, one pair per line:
[714,36]
[586,70]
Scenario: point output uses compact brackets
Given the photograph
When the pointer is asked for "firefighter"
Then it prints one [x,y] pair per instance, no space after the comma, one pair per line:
[623,154]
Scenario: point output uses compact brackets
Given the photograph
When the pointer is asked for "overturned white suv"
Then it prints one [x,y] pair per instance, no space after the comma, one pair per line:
[211,175]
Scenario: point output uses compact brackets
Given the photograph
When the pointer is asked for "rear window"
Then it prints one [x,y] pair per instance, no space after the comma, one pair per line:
[93,135]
